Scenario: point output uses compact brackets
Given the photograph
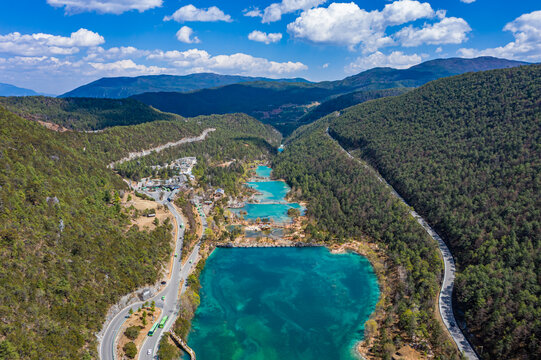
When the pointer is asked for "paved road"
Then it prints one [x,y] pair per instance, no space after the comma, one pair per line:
[445,302]
[169,305]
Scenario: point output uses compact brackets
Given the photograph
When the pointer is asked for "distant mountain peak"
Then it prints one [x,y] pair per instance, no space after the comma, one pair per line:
[12,90]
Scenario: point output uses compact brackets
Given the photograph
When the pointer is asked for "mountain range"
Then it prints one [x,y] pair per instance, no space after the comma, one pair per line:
[122,87]
[283,104]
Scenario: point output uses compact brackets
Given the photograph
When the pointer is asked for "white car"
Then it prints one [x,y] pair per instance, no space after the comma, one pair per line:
[149,352]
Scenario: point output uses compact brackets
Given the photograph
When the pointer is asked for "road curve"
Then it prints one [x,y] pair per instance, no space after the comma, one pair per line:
[445,302]
[138,154]
[107,347]
[171,305]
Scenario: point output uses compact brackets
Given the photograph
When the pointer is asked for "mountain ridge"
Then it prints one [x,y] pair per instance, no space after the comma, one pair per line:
[122,87]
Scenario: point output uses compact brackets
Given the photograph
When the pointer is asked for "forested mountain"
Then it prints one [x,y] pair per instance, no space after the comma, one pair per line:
[465,152]
[12,90]
[417,75]
[346,201]
[344,101]
[122,87]
[83,113]
[283,104]
[67,247]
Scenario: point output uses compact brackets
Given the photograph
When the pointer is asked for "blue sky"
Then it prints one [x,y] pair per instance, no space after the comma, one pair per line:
[53,46]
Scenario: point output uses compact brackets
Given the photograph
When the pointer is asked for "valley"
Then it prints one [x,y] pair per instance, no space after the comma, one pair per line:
[254,233]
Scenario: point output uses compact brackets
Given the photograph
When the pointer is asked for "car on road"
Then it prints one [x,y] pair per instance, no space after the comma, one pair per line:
[163,297]
[176,255]
[149,352]
[164,282]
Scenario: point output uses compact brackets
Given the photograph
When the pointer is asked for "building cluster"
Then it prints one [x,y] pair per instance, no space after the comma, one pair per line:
[183,166]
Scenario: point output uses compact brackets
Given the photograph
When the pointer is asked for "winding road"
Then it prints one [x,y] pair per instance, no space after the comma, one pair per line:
[138,154]
[170,305]
[445,302]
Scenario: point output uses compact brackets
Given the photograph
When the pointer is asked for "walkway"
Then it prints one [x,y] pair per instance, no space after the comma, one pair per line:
[182,344]
[445,302]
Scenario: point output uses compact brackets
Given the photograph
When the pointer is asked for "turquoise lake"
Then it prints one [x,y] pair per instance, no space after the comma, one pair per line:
[272,199]
[282,304]
[263,171]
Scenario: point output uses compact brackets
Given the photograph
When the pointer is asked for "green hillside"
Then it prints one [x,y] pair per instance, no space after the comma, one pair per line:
[64,261]
[346,201]
[344,101]
[67,250]
[83,113]
[465,152]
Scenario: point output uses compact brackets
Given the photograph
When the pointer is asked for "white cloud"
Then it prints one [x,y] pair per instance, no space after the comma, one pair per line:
[252,12]
[324,66]
[125,68]
[467,1]
[347,24]
[449,30]
[439,50]
[98,53]
[396,59]
[200,60]
[527,45]
[401,12]
[274,11]
[185,35]
[47,44]
[191,13]
[105,6]
[260,36]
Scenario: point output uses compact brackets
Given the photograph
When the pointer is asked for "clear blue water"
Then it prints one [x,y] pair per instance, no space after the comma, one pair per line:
[263,171]
[273,204]
[270,190]
[282,304]
[276,212]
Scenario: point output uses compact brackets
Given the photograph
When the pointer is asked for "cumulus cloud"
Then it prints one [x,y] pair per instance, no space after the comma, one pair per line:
[252,12]
[527,45]
[125,68]
[401,12]
[449,30]
[47,44]
[260,36]
[191,13]
[98,53]
[200,60]
[185,35]
[274,11]
[105,6]
[347,24]
[396,59]
[467,1]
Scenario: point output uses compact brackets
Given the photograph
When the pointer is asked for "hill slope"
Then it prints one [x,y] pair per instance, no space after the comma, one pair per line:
[344,101]
[465,151]
[121,87]
[68,248]
[12,90]
[283,104]
[83,113]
